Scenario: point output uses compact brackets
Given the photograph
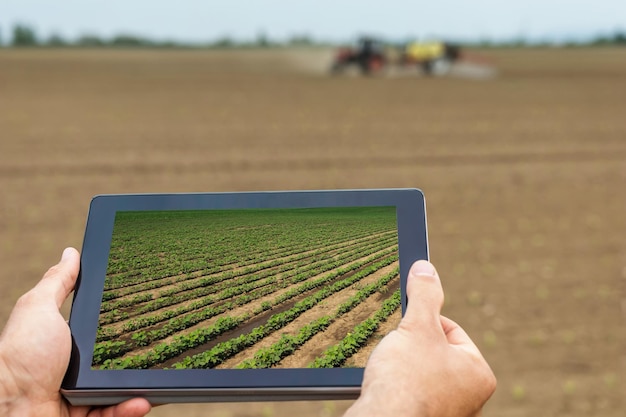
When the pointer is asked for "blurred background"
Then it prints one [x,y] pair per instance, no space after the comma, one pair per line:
[510,117]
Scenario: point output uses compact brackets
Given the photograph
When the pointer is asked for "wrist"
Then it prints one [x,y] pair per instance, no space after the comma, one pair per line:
[9,391]
[376,405]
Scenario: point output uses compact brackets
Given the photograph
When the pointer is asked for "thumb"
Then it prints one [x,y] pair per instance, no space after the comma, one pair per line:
[60,279]
[425,298]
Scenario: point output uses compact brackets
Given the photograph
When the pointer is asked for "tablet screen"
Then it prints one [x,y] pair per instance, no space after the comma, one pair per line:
[248,288]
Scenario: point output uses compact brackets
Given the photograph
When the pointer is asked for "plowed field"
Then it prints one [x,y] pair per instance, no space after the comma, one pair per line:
[524,175]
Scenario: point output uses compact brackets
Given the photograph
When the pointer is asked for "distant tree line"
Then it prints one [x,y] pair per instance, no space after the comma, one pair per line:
[26,36]
[617,39]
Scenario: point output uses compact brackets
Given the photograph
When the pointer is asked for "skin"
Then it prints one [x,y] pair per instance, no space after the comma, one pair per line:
[427,367]
[35,351]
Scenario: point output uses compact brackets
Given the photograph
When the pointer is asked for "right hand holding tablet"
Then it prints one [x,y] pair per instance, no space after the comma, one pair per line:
[428,366]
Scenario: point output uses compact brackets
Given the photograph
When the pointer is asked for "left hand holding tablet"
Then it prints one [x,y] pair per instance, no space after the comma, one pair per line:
[35,348]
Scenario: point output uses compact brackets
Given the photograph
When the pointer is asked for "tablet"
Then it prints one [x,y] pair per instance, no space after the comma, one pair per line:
[238,296]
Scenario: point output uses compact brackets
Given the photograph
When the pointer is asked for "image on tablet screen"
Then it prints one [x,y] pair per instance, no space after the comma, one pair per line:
[248,288]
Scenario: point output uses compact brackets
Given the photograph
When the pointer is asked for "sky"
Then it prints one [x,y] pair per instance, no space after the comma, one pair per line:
[332,20]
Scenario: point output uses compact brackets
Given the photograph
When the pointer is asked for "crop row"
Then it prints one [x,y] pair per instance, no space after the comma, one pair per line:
[221,351]
[159,246]
[175,324]
[170,297]
[224,350]
[105,333]
[105,353]
[122,284]
[336,355]
[114,349]
[244,267]
[204,293]
[249,245]
[270,356]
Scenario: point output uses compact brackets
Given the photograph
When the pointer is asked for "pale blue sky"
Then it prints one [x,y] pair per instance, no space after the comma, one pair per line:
[197,20]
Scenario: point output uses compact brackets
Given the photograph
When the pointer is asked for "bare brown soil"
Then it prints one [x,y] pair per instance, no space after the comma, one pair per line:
[524,177]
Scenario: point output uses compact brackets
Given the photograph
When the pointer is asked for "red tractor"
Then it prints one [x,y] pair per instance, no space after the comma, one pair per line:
[368,57]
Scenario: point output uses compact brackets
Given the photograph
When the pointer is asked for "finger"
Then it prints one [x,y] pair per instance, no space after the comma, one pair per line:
[425,297]
[60,279]
[455,333]
[137,407]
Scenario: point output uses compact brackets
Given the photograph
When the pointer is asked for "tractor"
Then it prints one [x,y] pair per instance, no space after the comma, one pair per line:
[371,56]
[368,56]
[433,58]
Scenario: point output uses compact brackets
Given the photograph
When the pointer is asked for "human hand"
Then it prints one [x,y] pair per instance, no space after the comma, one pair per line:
[35,348]
[428,366]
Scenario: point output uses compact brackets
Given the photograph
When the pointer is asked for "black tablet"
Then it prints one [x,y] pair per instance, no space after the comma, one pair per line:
[238,296]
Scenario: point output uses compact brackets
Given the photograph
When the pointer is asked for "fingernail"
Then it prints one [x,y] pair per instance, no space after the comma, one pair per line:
[66,254]
[423,268]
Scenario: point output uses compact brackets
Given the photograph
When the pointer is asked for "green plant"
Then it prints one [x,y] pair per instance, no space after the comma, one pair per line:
[518,392]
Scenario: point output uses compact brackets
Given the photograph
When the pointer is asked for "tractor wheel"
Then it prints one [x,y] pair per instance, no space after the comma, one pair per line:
[376,65]
[441,66]
[427,67]
[337,68]
[436,67]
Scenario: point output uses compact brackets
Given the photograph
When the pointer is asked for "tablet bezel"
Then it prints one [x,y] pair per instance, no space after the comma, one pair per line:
[84,385]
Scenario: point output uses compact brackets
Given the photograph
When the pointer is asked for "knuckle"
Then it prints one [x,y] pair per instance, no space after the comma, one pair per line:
[53,270]
[489,381]
[26,300]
